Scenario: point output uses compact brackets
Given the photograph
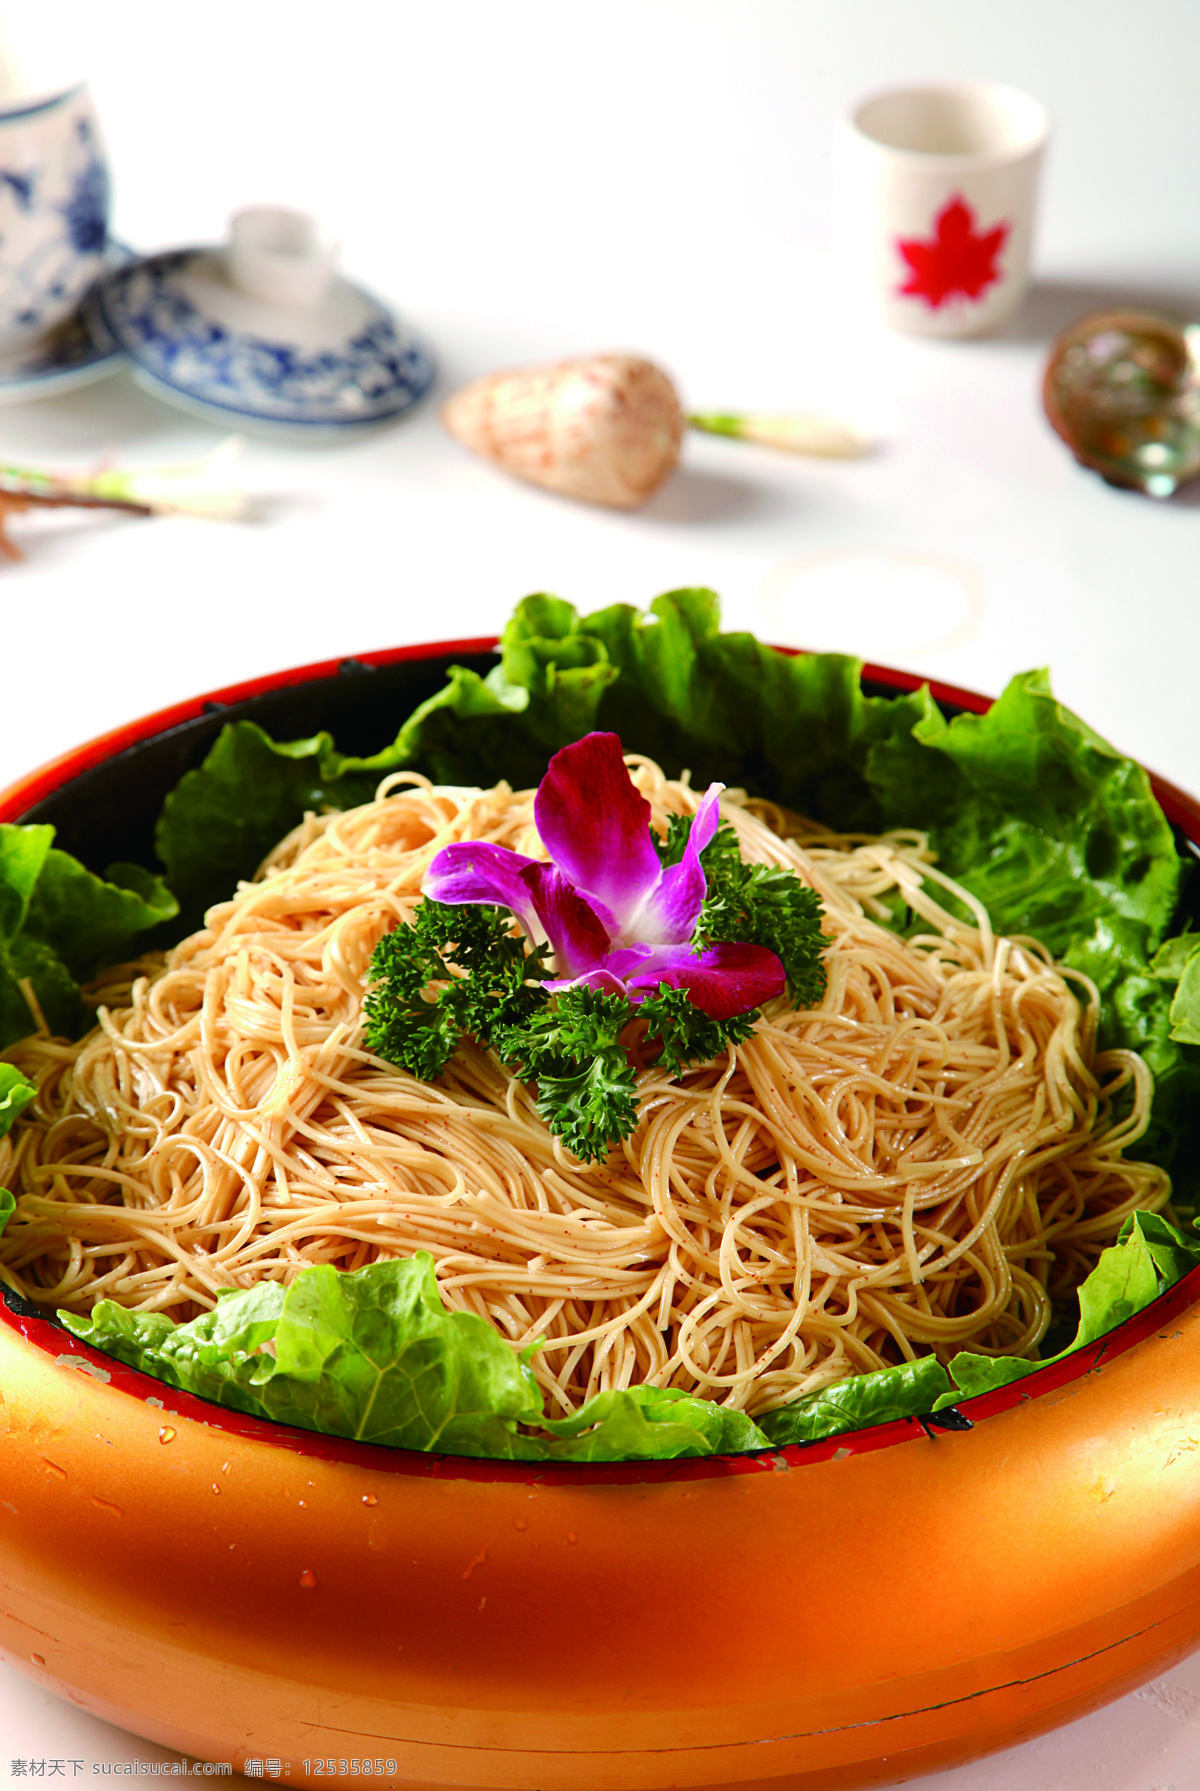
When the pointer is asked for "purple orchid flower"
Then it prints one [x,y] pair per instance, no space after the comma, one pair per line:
[617,921]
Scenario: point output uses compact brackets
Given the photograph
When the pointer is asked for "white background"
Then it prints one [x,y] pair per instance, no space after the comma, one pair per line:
[546,177]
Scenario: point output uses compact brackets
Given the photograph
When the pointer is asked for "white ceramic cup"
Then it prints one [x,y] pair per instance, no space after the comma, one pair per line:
[53,211]
[936,188]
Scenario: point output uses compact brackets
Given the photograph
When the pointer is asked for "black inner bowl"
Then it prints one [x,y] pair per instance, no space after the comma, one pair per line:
[107,813]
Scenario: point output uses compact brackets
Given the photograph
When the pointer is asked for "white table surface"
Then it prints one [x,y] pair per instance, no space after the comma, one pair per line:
[534,180]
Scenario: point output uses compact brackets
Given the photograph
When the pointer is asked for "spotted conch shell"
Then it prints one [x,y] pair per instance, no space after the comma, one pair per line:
[606,428]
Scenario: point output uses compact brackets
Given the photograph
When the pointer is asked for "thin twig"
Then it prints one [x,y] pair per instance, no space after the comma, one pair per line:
[14,499]
[82,500]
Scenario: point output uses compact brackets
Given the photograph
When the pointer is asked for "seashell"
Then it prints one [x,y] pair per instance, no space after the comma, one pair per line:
[606,428]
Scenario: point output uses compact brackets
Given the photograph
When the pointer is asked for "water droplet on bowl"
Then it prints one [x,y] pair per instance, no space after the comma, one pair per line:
[369,1499]
[39,1660]
[166,1433]
[308,1579]
[519,1523]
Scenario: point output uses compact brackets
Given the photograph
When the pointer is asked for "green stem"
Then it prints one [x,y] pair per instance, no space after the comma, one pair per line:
[718,422]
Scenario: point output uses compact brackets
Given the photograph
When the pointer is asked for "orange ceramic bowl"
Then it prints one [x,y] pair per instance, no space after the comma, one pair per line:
[847,1613]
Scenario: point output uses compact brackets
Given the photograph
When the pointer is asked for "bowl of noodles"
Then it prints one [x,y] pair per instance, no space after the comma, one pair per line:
[834,1421]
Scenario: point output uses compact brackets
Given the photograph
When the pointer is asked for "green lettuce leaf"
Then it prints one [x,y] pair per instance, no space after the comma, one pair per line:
[23,853]
[650,1424]
[1031,763]
[59,923]
[1060,836]
[544,692]
[371,1354]
[1178,963]
[221,820]
[730,709]
[16,1092]
[7,1207]
[180,1355]
[88,921]
[906,1391]
[1185,1008]
[1055,832]
[1149,1256]
[1172,960]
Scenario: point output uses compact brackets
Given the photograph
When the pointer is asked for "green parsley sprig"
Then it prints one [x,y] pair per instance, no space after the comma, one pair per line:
[587,1088]
[453,971]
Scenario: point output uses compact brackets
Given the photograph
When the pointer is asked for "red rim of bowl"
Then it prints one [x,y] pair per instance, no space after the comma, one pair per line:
[45,1334]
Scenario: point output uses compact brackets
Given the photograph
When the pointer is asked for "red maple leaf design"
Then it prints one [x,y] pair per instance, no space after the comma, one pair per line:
[956,261]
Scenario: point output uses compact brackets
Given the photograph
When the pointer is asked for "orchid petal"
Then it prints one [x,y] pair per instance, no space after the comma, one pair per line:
[577,933]
[630,960]
[669,913]
[476,872]
[596,826]
[723,981]
[602,980]
[706,819]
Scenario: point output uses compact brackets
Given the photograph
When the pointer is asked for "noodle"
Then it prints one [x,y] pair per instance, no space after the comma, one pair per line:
[925,1161]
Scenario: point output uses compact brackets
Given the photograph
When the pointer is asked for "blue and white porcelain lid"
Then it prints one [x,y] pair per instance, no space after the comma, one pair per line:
[262,333]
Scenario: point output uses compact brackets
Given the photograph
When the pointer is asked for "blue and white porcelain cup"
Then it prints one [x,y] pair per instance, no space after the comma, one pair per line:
[54,193]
